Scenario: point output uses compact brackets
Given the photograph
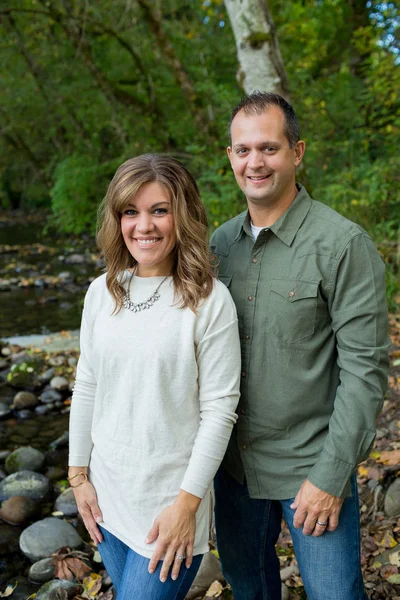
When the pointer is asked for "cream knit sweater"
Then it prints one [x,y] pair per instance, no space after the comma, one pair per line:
[154,404]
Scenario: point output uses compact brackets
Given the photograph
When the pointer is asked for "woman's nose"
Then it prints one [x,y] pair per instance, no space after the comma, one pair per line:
[145,223]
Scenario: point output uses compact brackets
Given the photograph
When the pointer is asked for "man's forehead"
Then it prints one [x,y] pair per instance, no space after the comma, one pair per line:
[268,125]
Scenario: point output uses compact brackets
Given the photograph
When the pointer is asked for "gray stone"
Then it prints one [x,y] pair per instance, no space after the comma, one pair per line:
[288,572]
[59,383]
[210,570]
[4,410]
[392,499]
[45,537]
[4,454]
[24,483]
[72,361]
[66,503]
[49,396]
[42,571]
[25,413]
[25,400]
[285,592]
[47,375]
[56,361]
[66,276]
[17,510]
[43,409]
[60,441]
[75,259]
[25,458]
[55,473]
[52,590]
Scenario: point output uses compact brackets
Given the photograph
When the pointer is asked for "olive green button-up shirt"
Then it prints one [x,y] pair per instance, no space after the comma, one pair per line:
[310,296]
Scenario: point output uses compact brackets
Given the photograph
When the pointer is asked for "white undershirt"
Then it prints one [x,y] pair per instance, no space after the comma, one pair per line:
[256,230]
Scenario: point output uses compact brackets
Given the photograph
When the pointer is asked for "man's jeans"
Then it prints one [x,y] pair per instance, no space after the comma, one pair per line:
[131,579]
[247,531]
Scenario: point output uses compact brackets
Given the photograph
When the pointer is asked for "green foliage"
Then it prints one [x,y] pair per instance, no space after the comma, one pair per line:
[87,85]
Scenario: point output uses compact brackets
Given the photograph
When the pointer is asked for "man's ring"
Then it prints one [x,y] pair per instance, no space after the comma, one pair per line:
[322,524]
[180,557]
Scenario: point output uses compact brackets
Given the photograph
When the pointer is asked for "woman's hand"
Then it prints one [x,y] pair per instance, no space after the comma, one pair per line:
[174,529]
[86,500]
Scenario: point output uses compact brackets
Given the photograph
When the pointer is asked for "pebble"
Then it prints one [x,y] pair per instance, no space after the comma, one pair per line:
[59,383]
[50,396]
[4,410]
[43,409]
[26,458]
[45,537]
[3,455]
[66,276]
[61,441]
[24,400]
[25,413]
[75,259]
[66,503]
[24,483]
[392,499]
[18,510]
[47,375]
[210,570]
[54,589]
[72,361]
[42,570]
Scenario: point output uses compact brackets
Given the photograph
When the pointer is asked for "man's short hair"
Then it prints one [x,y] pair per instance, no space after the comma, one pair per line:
[258,102]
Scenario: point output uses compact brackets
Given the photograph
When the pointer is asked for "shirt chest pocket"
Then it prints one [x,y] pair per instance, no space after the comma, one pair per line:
[292,309]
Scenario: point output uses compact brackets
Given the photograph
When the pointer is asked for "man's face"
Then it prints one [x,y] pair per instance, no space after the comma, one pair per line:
[262,161]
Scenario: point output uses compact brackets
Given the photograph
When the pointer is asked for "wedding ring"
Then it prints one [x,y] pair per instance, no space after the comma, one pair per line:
[180,557]
[322,524]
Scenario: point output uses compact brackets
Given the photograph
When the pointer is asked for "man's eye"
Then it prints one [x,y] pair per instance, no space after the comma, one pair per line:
[241,151]
[270,149]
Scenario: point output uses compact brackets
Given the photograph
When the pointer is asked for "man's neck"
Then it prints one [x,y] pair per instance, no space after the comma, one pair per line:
[265,216]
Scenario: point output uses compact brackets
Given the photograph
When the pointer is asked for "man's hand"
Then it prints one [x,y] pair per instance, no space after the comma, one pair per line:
[313,506]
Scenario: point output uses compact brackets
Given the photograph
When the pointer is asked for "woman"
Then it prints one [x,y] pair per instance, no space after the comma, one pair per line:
[157,383]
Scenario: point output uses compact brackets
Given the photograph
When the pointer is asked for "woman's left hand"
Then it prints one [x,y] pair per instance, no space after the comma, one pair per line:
[174,529]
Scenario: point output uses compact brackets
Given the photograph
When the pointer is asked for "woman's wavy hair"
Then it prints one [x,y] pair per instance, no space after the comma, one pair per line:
[192,269]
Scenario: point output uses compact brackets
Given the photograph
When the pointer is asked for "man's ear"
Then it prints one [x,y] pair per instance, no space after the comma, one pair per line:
[229,153]
[299,150]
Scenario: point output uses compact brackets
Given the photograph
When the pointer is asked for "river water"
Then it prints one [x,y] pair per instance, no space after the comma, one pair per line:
[34,299]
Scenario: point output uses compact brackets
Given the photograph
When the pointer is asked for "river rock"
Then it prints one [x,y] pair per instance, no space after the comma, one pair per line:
[43,409]
[25,458]
[25,414]
[24,483]
[66,503]
[4,454]
[55,473]
[59,383]
[47,375]
[65,276]
[25,400]
[60,441]
[210,570]
[4,410]
[17,510]
[50,395]
[53,590]
[42,570]
[43,538]
[8,539]
[56,361]
[75,259]
[392,499]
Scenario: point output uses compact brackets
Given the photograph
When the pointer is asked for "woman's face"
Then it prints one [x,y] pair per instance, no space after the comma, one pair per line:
[148,229]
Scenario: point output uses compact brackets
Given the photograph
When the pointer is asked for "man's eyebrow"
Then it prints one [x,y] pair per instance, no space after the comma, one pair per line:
[261,144]
[133,205]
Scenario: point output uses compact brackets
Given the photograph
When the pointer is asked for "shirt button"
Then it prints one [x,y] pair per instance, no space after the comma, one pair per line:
[250,298]
[244,373]
[246,337]
[254,260]
[244,447]
[291,294]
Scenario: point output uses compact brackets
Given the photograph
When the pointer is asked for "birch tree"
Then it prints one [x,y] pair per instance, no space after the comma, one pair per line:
[260,61]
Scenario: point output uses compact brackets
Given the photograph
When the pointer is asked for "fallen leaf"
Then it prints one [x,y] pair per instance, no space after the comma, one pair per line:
[92,585]
[389,457]
[8,591]
[394,579]
[394,558]
[215,590]
[108,595]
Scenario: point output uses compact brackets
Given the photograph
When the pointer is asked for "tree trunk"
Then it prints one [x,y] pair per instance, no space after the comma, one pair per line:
[260,61]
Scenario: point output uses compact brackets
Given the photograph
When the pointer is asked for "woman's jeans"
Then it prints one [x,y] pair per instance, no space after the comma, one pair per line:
[248,529]
[131,579]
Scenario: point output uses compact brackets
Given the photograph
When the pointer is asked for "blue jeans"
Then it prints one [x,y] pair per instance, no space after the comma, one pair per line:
[248,529]
[131,579]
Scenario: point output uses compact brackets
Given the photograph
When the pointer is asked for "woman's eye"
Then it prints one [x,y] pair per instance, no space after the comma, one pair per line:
[129,212]
[160,211]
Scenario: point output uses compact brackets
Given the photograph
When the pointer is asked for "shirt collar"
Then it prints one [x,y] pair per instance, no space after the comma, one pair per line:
[288,224]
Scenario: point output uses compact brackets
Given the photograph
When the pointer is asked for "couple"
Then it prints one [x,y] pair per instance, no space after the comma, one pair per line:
[298,316]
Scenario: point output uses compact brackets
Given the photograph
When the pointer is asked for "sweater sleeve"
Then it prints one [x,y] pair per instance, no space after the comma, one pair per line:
[80,425]
[218,361]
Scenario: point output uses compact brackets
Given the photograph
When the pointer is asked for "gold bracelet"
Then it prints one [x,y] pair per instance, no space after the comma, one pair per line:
[84,475]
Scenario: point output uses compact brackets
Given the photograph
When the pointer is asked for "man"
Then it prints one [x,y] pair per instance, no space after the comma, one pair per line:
[309,288]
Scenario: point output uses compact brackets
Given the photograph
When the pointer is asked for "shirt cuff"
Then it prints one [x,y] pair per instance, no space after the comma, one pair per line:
[332,475]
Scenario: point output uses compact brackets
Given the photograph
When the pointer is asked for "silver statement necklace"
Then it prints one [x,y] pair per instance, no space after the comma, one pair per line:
[137,307]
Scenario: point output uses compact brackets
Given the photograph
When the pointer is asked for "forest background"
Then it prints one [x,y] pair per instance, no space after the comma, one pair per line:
[85,85]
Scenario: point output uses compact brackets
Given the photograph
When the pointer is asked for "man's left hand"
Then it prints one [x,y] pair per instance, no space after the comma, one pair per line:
[316,511]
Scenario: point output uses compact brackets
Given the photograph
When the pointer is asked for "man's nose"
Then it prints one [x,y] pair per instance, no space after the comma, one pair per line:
[255,159]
